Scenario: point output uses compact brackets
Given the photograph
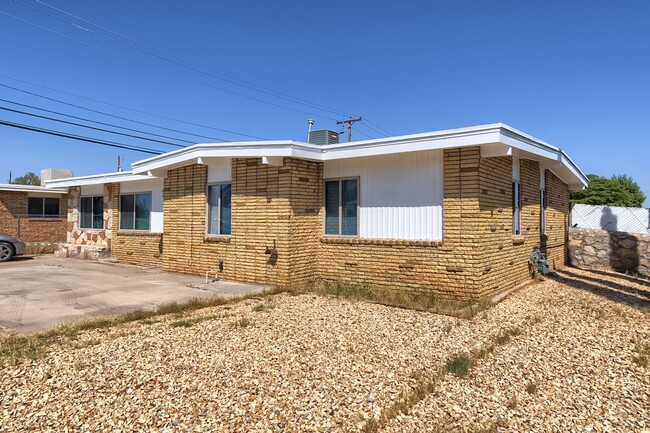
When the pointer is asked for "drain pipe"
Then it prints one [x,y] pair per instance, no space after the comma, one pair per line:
[215,272]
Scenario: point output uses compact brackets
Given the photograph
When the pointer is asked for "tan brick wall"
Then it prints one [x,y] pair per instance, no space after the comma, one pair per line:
[557,220]
[450,268]
[132,247]
[32,229]
[281,208]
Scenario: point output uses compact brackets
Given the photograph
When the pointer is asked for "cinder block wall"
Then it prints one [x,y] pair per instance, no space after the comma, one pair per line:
[32,229]
[135,248]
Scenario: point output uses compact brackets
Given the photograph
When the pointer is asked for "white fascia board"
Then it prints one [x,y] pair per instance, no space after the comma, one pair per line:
[496,133]
[95,179]
[30,188]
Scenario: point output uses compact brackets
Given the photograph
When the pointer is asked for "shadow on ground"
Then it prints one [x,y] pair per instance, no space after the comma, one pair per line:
[611,285]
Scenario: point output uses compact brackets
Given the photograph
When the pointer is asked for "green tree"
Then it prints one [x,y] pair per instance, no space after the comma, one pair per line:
[29,178]
[619,190]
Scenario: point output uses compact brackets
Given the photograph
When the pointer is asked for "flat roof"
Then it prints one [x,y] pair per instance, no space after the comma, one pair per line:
[31,188]
[499,138]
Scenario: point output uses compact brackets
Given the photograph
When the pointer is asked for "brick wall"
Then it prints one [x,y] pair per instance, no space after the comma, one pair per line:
[557,220]
[132,247]
[450,268]
[32,229]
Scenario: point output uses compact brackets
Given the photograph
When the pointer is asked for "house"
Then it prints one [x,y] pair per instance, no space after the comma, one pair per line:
[33,212]
[455,213]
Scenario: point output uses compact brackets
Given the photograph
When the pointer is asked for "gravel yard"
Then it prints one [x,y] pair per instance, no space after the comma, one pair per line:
[308,363]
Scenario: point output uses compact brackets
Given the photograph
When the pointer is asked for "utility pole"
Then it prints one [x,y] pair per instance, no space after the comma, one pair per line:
[350,121]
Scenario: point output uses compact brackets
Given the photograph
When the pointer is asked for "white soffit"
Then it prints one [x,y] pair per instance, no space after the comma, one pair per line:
[96,179]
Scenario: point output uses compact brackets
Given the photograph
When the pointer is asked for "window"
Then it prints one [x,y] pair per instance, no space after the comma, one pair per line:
[92,213]
[341,207]
[135,211]
[43,206]
[542,212]
[516,208]
[219,209]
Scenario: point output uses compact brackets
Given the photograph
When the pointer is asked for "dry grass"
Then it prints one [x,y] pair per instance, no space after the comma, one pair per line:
[15,348]
[643,352]
[420,300]
[39,249]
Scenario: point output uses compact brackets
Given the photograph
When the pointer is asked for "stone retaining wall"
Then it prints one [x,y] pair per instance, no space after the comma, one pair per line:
[621,251]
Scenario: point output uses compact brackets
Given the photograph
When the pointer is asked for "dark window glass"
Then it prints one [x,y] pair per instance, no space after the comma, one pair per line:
[349,207]
[142,211]
[51,206]
[224,227]
[516,208]
[35,206]
[332,207]
[127,212]
[98,212]
[85,221]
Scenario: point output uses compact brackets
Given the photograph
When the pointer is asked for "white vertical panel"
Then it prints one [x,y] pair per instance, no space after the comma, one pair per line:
[219,170]
[92,190]
[155,186]
[400,196]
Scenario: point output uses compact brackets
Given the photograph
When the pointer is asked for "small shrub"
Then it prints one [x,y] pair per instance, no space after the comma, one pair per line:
[531,387]
[243,322]
[182,324]
[640,360]
[512,404]
[133,316]
[459,365]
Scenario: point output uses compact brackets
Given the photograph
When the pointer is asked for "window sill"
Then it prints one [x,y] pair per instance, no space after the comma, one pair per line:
[217,239]
[344,240]
[137,233]
[83,229]
[518,240]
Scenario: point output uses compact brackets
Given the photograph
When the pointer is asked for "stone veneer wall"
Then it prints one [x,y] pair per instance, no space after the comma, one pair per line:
[100,238]
[32,229]
[620,251]
[133,247]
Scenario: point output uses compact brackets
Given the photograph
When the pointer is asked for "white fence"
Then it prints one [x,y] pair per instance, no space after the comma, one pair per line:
[611,218]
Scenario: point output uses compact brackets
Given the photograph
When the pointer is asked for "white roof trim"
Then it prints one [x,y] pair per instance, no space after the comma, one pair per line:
[491,134]
[96,179]
[30,188]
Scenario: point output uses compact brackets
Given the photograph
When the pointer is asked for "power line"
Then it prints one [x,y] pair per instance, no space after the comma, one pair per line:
[165,71]
[93,121]
[122,107]
[80,138]
[107,114]
[229,79]
[139,137]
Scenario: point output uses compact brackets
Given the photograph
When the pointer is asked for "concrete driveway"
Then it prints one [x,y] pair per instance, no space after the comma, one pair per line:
[44,291]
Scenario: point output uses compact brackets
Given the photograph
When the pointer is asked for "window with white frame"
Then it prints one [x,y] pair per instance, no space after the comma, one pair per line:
[219,209]
[92,213]
[43,206]
[135,211]
[516,208]
[342,207]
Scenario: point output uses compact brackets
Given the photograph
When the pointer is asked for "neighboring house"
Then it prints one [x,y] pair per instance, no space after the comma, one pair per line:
[33,213]
[453,212]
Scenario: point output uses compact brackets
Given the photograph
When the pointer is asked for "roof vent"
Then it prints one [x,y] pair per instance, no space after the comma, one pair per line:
[323,137]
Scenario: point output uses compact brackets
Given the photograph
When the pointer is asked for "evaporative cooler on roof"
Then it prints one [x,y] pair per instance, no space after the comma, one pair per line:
[323,136]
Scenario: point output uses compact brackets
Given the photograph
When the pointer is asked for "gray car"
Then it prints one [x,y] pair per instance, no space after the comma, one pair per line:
[10,247]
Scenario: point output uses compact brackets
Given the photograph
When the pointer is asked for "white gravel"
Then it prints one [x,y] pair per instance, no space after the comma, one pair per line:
[314,363]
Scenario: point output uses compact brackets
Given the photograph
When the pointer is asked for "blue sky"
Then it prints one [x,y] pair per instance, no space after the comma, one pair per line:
[575,74]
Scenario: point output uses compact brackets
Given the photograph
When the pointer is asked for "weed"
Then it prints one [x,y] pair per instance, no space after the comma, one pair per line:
[447,329]
[459,365]
[531,387]
[512,403]
[86,343]
[148,322]
[242,322]
[263,307]
[643,352]
[182,324]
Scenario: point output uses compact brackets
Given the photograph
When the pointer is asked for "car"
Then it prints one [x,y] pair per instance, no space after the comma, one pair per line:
[10,247]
